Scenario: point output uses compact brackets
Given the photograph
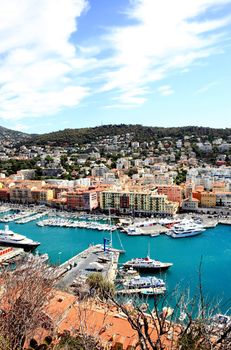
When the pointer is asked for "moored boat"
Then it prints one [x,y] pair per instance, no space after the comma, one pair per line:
[186,229]
[144,282]
[11,239]
[147,264]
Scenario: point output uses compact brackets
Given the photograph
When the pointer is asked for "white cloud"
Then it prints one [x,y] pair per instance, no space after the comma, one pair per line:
[165,90]
[164,36]
[38,63]
[20,127]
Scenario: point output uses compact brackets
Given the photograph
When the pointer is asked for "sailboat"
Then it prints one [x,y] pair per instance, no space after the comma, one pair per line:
[110,245]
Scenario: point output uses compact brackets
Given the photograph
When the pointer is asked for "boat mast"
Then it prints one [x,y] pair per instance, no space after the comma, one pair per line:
[148,250]
[110,227]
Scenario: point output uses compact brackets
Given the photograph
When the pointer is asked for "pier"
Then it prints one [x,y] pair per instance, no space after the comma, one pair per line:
[8,254]
[93,259]
[143,291]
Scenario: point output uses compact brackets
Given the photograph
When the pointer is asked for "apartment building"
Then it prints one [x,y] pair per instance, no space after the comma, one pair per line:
[208,199]
[142,202]
[174,193]
[82,200]
[20,194]
[42,195]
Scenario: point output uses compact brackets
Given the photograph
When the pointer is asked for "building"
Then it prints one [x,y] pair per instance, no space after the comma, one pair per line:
[173,192]
[208,199]
[42,195]
[4,195]
[20,194]
[190,203]
[223,199]
[137,202]
[82,200]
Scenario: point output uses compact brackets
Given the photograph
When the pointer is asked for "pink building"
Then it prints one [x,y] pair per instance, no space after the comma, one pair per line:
[173,192]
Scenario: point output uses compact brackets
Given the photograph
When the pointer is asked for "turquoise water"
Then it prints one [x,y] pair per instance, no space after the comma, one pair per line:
[213,245]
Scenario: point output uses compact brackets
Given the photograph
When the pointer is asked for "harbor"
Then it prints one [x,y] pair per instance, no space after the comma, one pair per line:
[213,245]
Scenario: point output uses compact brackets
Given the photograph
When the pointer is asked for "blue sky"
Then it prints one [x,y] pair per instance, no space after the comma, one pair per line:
[79,63]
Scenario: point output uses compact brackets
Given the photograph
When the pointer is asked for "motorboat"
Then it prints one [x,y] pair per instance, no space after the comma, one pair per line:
[11,239]
[147,264]
[144,282]
[186,229]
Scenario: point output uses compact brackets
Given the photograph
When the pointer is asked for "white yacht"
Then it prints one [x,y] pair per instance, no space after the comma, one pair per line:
[147,264]
[11,239]
[187,228]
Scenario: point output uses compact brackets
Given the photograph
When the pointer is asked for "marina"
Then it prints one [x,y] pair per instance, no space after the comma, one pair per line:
[213,245]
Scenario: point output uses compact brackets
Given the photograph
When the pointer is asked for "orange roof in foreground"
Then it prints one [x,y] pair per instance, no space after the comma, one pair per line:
[95,319]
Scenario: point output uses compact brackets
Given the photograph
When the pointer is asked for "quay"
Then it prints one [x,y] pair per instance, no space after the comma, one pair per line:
[93,259]
[8,254]
[143,291]
[225,221]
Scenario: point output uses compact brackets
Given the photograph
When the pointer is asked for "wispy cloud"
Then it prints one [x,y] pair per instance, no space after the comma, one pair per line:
[165,90]
[164,36]
[43,71]
[21,127]
[206,87]
[38,63]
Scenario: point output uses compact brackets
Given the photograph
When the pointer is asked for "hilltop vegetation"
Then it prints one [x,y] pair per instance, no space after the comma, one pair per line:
[13,135]
[141,133]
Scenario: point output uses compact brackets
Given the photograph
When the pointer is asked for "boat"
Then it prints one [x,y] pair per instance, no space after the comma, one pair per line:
[144,282]
[147,264]
[186,229]
[219,322]
[11,239]
[136,228]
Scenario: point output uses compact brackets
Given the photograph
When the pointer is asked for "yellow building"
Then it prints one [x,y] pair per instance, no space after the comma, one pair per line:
[208,199]
[137,202]
[219,187]
[41,195]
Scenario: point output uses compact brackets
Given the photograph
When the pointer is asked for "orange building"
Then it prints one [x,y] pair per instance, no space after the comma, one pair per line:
[4,194]
[82,200]
[173,192]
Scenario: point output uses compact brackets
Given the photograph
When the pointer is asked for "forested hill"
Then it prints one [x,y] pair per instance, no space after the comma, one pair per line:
[139,132]
[13,135]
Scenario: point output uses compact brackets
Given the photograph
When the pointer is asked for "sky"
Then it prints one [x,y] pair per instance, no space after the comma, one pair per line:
[82,63]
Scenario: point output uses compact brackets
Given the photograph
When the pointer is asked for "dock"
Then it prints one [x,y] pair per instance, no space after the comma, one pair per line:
[8,254]
[143,291]
[225,221]
[93,259]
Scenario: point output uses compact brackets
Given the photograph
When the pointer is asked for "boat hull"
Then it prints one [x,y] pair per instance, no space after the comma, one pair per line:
[149,268]
[25,246]
[185,235]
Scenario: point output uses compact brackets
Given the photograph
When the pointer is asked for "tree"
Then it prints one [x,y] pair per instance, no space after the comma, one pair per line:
[101,286]
[25,293]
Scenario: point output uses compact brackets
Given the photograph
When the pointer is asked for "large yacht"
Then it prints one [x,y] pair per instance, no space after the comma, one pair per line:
[186,229]
[11,239]
[147,264]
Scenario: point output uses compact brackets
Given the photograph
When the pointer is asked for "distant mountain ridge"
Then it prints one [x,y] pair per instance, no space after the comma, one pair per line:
[13,135]
[140,132]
